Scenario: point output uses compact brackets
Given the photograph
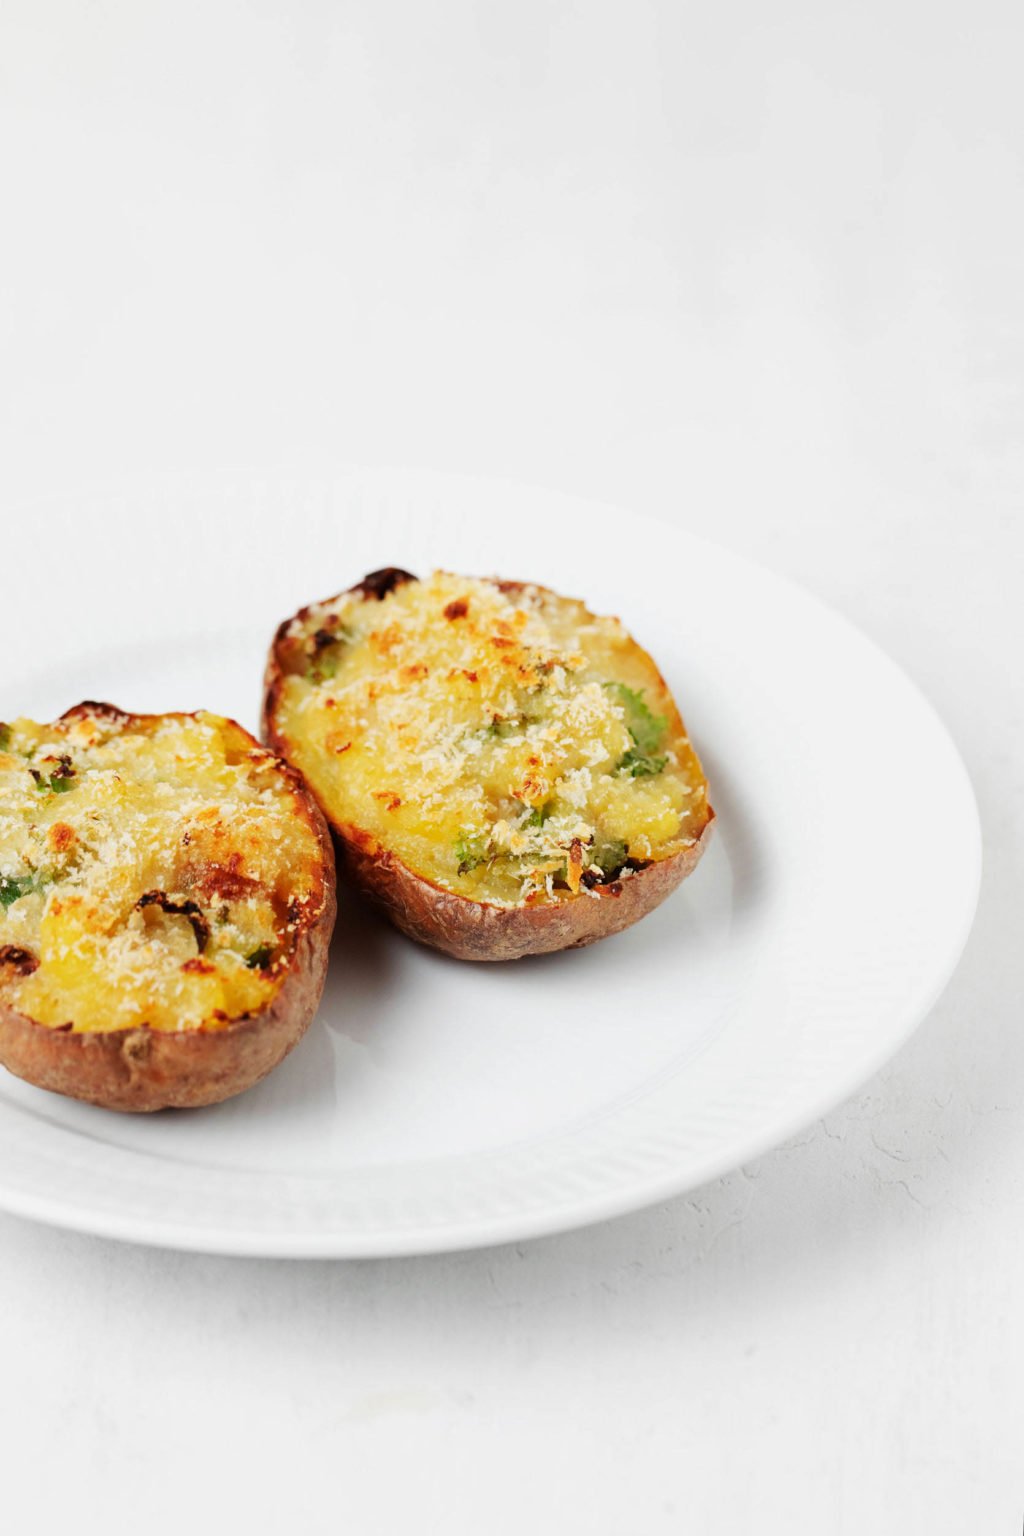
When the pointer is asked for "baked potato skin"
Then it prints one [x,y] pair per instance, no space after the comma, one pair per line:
[459,926]
[478,930]
[140,1070]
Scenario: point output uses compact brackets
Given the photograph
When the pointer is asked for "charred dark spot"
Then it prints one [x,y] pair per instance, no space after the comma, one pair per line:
[65,769]
[90,709]
[379,583]
[22,961]
[64,1029]
[323,638]
[189,909]
[457,608]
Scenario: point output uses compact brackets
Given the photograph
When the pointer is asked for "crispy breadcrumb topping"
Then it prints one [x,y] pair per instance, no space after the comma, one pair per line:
[153,871]
[504,741]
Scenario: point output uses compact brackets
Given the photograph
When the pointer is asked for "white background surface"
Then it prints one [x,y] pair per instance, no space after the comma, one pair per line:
[755,269]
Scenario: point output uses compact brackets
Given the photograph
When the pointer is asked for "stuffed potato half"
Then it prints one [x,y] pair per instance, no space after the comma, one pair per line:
[166,906]
[505,772]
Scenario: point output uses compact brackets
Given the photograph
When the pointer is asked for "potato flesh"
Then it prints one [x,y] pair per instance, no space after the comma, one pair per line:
[188,806]
[472,732]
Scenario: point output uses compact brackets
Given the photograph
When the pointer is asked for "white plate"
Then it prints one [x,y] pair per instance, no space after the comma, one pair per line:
[436,1105]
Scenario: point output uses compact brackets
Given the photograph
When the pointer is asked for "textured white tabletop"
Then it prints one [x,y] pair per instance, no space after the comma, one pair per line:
[754,269]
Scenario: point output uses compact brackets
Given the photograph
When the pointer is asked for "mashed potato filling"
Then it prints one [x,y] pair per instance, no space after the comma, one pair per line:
[152,871]
[502,741]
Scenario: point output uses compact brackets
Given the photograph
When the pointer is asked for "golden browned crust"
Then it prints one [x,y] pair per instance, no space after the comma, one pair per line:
[458,925]
[144,1069]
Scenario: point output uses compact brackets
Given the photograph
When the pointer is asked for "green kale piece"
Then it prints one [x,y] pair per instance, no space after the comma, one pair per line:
[12,887]
[638,764]
[646,729]
[327,647]
[470,852]
[609,857]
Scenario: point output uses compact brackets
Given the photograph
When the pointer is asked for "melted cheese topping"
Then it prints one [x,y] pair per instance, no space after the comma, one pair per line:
[506,744]
[153,871]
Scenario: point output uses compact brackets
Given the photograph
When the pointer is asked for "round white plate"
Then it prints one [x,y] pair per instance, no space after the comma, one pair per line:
[437,1105]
